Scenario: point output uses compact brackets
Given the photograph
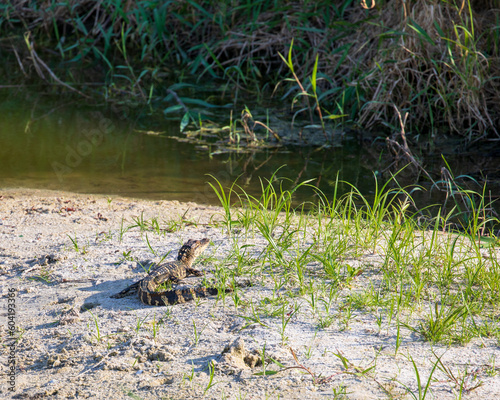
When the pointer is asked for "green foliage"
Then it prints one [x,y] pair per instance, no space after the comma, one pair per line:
[342,56]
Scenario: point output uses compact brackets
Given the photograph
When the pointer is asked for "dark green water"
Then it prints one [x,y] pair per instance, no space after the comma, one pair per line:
[95,149]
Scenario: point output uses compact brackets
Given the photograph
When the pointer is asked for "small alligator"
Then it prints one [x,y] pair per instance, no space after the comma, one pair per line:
[174,272]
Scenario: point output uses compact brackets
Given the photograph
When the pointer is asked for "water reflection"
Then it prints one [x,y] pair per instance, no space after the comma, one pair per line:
[98,149]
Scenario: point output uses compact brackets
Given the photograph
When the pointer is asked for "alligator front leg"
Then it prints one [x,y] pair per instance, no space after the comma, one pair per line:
[192,271]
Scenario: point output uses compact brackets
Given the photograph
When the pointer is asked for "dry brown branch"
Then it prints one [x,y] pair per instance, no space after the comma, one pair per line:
[245,117]
[179,101]
[402,151]
[275,134]
[38,62]
[21,67]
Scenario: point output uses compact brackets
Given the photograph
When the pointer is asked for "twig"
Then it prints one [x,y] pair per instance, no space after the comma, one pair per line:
[181,103]
[276,136]
[244,121]
[37,60]
[396,147]
[19,61]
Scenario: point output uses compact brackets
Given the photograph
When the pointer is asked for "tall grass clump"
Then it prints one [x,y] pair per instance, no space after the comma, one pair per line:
[438,68]
[435,60]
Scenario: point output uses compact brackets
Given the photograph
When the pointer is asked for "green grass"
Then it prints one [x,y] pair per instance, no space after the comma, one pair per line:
[422,272]
[430,275]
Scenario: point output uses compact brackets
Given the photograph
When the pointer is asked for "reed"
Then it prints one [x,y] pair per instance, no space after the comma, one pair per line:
[435,60]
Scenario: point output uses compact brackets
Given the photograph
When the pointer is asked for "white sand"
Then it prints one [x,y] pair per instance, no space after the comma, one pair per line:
[67,360]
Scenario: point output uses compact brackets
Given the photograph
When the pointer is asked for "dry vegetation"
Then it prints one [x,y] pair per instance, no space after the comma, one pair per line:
[436,60]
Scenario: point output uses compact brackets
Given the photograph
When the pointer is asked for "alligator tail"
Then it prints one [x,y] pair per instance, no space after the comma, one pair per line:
[171,297]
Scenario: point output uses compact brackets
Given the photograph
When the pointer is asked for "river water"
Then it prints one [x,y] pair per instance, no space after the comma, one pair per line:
[119,151]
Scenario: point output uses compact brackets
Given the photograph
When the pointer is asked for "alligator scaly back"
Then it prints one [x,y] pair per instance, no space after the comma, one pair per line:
[173,272]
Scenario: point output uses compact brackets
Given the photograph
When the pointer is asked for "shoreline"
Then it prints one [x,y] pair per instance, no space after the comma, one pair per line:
[65,254]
